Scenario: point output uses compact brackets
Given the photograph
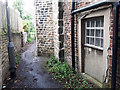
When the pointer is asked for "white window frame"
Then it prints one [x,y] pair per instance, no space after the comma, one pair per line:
[101,28]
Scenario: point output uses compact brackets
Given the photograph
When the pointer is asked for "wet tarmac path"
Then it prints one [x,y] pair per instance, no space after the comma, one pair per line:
[31,72]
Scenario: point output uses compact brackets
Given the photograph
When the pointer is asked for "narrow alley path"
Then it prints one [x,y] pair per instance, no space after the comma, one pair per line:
[31,72]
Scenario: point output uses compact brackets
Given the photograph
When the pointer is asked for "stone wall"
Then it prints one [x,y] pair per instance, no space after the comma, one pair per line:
[58,29]
[49,25]
[55,27]
[44,26]
[4,63]
[17,41]
[67,30]
[24,38]
[53,20]
[15,28]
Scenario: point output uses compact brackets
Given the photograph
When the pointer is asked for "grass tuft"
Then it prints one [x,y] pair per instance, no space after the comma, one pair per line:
[17,58]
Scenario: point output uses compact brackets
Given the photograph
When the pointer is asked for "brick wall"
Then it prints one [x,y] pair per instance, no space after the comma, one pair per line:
[44,26]
[118,71]
[4,64]
[15,28]
[118,55]
[83,4]
[4,69]
[78,4]
[110,47]
[67,29]
[67,25]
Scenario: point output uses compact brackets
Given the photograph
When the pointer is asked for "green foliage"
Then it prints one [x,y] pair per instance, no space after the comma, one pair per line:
[34,38]
[28,16]
[52,61]
[3,33]
[32,27]
[29,40]
[18,5]
[29,27]
[26,26]
[64,74]
[17,58]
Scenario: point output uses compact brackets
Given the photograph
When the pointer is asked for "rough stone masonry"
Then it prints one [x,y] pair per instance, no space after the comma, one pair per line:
[49,26]
[44,26]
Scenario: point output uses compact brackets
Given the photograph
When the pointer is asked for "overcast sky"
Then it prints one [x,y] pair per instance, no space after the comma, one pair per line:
[28,7]
[28,4]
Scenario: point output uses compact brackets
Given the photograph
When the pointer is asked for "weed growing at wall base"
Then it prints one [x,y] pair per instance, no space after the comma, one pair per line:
[17,58]
[63,73]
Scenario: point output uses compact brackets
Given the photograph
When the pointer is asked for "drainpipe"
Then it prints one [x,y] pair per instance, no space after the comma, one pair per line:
[10,46]
[115,44]
[72,35]
[93,6]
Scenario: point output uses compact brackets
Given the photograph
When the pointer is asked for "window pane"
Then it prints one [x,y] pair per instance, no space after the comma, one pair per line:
[87,40]
[88,23]
[101,33]
[102,23]
[92,32]
[98,33]
[97,23]
[97,42]
[88,32]
[92,41]
[92,23]
[101,42]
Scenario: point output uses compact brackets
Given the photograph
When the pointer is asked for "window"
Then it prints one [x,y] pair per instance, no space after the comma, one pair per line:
[94,33]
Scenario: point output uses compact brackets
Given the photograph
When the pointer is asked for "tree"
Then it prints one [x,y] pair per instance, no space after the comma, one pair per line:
[27,16]
[28,26]
[18,5]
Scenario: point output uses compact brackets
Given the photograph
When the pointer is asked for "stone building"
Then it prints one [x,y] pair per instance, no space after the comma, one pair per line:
[93,30]
[49,27]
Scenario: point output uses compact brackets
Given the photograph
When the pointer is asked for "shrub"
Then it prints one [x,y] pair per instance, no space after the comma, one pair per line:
[29,40]
[34,38]
[17,57]
[64,74]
